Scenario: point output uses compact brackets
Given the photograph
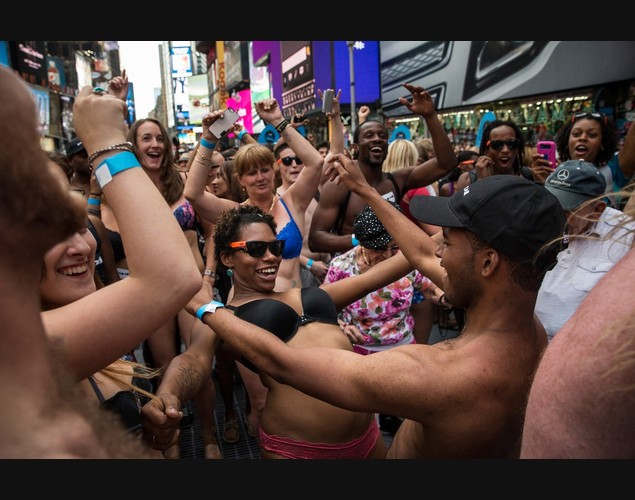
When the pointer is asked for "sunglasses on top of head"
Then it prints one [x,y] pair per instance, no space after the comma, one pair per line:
[257,249]
[498,145]
[288,160]
[584,114]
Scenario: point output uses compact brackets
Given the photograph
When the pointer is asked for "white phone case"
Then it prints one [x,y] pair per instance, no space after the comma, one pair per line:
[222,125]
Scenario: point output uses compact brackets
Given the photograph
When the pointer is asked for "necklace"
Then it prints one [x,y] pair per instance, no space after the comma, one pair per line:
[275,198]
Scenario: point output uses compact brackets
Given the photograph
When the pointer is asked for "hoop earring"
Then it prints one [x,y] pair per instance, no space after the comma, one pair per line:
[229,272]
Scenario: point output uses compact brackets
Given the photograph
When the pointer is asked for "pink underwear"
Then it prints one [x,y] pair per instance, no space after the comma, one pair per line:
[290,448]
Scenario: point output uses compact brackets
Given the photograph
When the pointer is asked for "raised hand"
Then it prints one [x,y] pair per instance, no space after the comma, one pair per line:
[541,168]
[362,113]
[98,118]
[421,102]
[343,169]
[335,109]
[118,86]
[269,111]
[484,167]
[237,127]
[207,120]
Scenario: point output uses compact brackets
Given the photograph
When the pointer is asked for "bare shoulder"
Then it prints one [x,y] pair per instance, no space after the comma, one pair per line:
[332,193]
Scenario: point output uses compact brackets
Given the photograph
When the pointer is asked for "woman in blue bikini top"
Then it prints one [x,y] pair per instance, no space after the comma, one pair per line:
[254,166]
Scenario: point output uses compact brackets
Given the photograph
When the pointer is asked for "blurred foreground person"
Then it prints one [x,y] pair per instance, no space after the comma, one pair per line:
[45,416]
[582,399]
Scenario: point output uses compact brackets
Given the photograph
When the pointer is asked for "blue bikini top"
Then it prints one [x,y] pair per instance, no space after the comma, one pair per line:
[292,236]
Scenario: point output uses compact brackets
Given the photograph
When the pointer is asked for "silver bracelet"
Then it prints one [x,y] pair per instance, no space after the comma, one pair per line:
[122,146]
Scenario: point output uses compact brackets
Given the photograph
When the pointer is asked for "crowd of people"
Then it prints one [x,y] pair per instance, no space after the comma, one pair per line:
[311,274]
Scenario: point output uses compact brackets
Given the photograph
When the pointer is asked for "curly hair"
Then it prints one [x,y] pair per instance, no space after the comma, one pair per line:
[231,221]
[520,157]
[609,139]
[172,185]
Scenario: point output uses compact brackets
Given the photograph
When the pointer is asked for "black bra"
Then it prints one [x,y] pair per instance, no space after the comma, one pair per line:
[125,403]
[281,319]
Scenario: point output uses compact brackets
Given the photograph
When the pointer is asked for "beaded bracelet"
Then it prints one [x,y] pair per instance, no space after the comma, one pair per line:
[122,146]
[281,126]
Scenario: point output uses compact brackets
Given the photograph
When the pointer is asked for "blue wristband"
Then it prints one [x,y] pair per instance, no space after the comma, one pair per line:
[208,308]
[206,144]
[110,167]
[240,135]
[309,263]
[354,240]
[94,201]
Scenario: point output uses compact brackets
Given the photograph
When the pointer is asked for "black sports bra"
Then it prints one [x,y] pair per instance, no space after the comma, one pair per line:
[281,319]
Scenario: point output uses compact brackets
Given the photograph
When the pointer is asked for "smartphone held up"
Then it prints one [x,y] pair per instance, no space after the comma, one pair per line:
[327,101]
[222,125]
[548,151]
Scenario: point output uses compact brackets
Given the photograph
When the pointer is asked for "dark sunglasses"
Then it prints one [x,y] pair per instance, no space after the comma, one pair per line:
[257,249]
[288,160]
[498,145]
[584,114]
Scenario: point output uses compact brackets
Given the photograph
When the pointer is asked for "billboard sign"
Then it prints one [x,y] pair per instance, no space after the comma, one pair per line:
[463,73]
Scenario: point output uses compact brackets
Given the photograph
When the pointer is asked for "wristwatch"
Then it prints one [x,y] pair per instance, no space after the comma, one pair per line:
[208,308]
[209,272]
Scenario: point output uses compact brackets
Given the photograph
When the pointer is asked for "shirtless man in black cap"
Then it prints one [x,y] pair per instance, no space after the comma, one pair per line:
[463,397]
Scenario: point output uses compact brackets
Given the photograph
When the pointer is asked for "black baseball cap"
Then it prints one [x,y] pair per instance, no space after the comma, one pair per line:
[575,181]
[512,214]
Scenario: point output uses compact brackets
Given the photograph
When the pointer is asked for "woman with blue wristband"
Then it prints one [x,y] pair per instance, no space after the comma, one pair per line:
[92,328]
[293,425]
[149,140]
[255,169]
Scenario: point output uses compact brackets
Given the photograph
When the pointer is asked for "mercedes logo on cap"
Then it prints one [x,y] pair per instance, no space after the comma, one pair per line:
[563,175]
